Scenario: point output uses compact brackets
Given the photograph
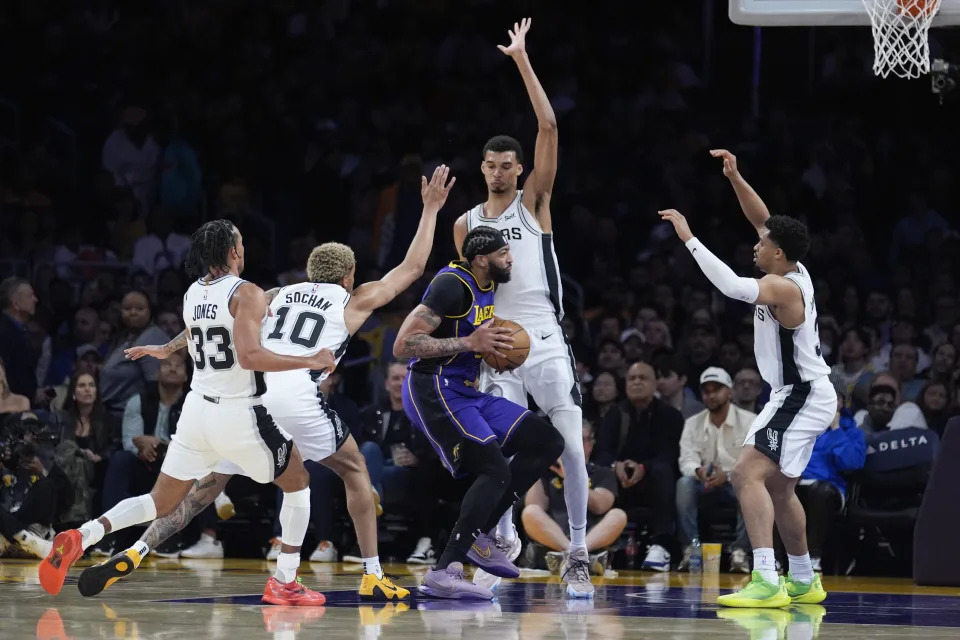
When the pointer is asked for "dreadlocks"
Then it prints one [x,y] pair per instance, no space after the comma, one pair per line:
[209,247]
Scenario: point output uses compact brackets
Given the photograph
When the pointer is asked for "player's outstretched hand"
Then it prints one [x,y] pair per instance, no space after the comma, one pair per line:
[518,38]
[679,223]
[729,162]
[158,351]
[489,339]
[435,192]
[323,360]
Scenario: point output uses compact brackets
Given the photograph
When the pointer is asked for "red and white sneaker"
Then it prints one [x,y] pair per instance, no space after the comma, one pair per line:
[292,594]
[67,549]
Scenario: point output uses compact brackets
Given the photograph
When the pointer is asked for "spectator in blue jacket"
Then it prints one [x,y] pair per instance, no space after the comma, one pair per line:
[822,490]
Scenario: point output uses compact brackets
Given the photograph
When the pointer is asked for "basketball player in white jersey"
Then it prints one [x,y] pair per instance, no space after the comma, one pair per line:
[533,298]
[802,403]
[322,313]
[222,418]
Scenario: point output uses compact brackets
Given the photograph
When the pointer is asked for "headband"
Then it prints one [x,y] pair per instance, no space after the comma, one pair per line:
[481,245]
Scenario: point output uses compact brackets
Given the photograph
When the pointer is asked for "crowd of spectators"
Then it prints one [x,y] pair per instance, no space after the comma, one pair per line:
[125,127]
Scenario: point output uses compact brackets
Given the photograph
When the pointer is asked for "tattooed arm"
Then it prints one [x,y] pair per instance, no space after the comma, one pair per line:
[203,493]
[159,352]
[414,339]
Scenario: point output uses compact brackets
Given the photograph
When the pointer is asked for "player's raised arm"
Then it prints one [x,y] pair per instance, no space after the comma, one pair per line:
[373,295]
[539,184]
[460,233]
[751,203]
[248,306]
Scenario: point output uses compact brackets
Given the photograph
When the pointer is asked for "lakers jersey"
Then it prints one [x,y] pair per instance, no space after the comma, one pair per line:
[534,291]
[789,356]
[308,317]
[206,314]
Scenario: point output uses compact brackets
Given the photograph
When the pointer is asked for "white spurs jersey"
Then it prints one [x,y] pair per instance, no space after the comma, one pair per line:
[789,356]
[534,291]
[206,314]
[308,317]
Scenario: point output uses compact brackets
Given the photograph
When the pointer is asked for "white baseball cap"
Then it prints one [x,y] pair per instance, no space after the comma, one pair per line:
[716,374]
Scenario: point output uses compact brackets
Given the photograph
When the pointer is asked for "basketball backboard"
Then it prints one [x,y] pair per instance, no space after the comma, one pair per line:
[836,13]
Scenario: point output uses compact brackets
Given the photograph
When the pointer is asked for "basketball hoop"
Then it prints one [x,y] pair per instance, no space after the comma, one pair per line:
[900,29]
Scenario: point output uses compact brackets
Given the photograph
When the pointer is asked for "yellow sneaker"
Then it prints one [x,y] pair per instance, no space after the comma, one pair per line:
[759,622]
[373,588]
[757,594]
[99,577]
[805,593]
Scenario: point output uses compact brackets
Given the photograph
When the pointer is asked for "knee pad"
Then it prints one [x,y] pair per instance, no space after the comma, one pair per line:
[297,498]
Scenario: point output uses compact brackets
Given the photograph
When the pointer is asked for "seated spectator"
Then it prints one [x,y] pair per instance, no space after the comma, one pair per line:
[884,410]
[854,358]
[18,304]
[83,331]
[643,450]
[633,342]
[88,361]
[709,448]
[28,498]
[10,402]
[545,512]
[149,420]
[401,463]
[903,365]
[747,389]
[121,379]
[672,385]
[937,406]
[822,489]
[610,356]
[170,322]
[604,395]
[944,363]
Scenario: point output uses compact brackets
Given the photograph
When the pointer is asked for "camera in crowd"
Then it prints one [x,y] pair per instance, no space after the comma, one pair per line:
[21,437]
[943,77]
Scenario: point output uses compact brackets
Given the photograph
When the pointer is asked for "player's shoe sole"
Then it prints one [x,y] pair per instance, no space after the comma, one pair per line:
[815,594]
[100,577]
[67,549]
[372,588]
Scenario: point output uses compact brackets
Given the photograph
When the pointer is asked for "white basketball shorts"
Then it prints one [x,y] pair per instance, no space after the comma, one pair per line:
[788,426]
[549,373]
[294,402]
[211,430]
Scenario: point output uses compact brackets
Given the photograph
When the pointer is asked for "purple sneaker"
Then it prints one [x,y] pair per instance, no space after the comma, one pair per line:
[449,583]
[485,554]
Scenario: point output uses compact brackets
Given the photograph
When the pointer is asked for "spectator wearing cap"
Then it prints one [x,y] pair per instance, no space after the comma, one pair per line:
[672,385]
[709,448]
[822,489]
[633,342]
[18,304]
[747,389]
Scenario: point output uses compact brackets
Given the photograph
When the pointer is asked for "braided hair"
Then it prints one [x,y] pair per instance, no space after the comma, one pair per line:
[209,248]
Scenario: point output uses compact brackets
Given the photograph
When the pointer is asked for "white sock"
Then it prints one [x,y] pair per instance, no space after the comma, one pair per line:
[128,513]
[800,568]
[505,528]
[568,420]
[141,548]
[287,565]
[372,566]
[92,533]
[578,536]
[295,517]
[766,563]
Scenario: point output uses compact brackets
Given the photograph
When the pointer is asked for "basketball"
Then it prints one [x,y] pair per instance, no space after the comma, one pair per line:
[514,357]
[916,8]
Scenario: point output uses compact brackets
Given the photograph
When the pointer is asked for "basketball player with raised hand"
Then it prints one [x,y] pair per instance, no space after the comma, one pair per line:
[222,418]
[802,403]
[322,313]
[473,433]
[533,298]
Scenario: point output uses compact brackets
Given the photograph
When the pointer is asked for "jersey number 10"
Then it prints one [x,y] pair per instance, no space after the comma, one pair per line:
[297,336]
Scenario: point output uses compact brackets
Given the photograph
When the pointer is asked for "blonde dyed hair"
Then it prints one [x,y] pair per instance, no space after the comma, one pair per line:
[330,263]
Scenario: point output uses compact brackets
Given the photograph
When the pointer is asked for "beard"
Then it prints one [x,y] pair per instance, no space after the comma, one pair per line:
[499,275]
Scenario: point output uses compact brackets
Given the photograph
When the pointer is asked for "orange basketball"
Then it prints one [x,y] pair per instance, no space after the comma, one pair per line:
[916,8]
[514,357]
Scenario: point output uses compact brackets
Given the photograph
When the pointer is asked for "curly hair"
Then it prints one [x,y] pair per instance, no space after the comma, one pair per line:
[790,235]
[330,263]
[210,246]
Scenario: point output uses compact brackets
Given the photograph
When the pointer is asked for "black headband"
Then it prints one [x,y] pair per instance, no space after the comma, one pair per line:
[481,245]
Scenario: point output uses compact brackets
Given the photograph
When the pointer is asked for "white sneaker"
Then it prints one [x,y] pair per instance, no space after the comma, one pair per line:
[101,552]
[815,563]
[169,555]
[423,553]
[510,549]
[325,552]
[658,559]
[738,561]
[33,544]
[206,547]
[576,573]
[274,551]
[224,506]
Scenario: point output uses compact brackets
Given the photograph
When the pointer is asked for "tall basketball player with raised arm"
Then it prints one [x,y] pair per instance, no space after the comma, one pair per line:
[222,418]
[533,298]
[802,403]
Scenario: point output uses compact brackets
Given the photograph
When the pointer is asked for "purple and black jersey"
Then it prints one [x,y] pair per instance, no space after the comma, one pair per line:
[456,297]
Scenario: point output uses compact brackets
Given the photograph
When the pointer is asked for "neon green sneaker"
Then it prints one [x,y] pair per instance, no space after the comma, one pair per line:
[762,624]
[805,592]
[757,594]
[811,614]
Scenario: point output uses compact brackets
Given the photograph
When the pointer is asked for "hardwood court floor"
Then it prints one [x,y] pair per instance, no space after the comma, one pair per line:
[214,599]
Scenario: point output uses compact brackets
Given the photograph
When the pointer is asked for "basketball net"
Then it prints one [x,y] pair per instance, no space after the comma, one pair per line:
[900,29]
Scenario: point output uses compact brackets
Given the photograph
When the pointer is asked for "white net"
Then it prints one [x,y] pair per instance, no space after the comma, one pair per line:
[900,29]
